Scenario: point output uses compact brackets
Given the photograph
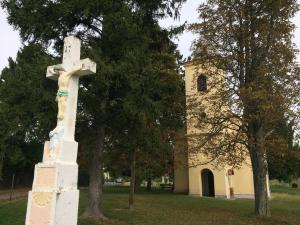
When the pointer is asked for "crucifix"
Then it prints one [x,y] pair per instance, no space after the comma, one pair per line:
[68,74]
[54,197]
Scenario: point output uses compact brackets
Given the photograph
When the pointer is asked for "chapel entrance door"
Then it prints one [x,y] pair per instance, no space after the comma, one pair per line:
[208,185]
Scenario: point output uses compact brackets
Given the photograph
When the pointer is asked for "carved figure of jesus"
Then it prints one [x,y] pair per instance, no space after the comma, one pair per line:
[63,84]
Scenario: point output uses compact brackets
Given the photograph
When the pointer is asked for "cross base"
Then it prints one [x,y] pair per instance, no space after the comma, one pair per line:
[54,197]
[52,208]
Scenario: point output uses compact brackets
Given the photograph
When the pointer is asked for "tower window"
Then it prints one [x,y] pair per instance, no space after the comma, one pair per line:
[202,83]
[203,115]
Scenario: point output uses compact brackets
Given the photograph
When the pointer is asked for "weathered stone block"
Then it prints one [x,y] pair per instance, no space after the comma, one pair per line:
[64,151]
[55,176]
[45,178]
[52,208]
[40,208]
[67,208]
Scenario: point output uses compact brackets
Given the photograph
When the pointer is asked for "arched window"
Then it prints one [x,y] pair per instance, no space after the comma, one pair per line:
[202,115]
[202,83]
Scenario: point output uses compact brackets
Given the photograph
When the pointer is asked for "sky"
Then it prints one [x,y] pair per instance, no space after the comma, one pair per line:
[10,41]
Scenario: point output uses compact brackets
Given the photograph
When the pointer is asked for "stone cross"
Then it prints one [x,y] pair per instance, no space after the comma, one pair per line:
[54,197]
[71,60]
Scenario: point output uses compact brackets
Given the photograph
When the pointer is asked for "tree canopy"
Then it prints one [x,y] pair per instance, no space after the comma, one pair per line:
[27,109]
[251,43]
[137,91]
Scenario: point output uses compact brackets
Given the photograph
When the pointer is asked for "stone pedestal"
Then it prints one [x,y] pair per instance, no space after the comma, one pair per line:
[54,197]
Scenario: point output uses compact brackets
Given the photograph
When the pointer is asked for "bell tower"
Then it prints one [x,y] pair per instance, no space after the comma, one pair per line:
[204,177]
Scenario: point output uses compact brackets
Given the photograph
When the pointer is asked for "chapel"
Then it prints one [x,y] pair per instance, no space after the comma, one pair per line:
[207,179]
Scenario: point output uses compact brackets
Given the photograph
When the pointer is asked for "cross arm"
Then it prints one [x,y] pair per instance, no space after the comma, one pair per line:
[88,67]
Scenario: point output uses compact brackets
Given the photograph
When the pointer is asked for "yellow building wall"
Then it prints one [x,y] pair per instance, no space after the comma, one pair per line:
[195,181]
[242,180]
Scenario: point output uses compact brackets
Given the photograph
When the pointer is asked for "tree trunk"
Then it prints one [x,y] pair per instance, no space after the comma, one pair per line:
[260,171]
[137,184]
[149,184]
[132,181]
[259,165]
[1,165]
[95,198]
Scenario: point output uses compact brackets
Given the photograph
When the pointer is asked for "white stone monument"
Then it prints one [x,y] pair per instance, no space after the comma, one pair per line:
[54,197]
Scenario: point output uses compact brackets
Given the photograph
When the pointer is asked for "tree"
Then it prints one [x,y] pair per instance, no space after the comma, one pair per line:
[251,43]
[151,96]
[152,103]
[284,165]
[114,34]
[27,106]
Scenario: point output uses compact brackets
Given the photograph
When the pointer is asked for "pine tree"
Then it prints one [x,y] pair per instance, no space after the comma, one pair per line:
[27,107]
[123,38]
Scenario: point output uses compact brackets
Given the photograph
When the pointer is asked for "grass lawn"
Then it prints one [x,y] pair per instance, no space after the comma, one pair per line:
[164,208]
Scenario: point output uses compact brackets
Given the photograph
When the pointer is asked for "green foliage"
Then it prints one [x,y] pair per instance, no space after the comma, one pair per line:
[251,42]
[27,109]
[284,165]
[136,95]
[53,20]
